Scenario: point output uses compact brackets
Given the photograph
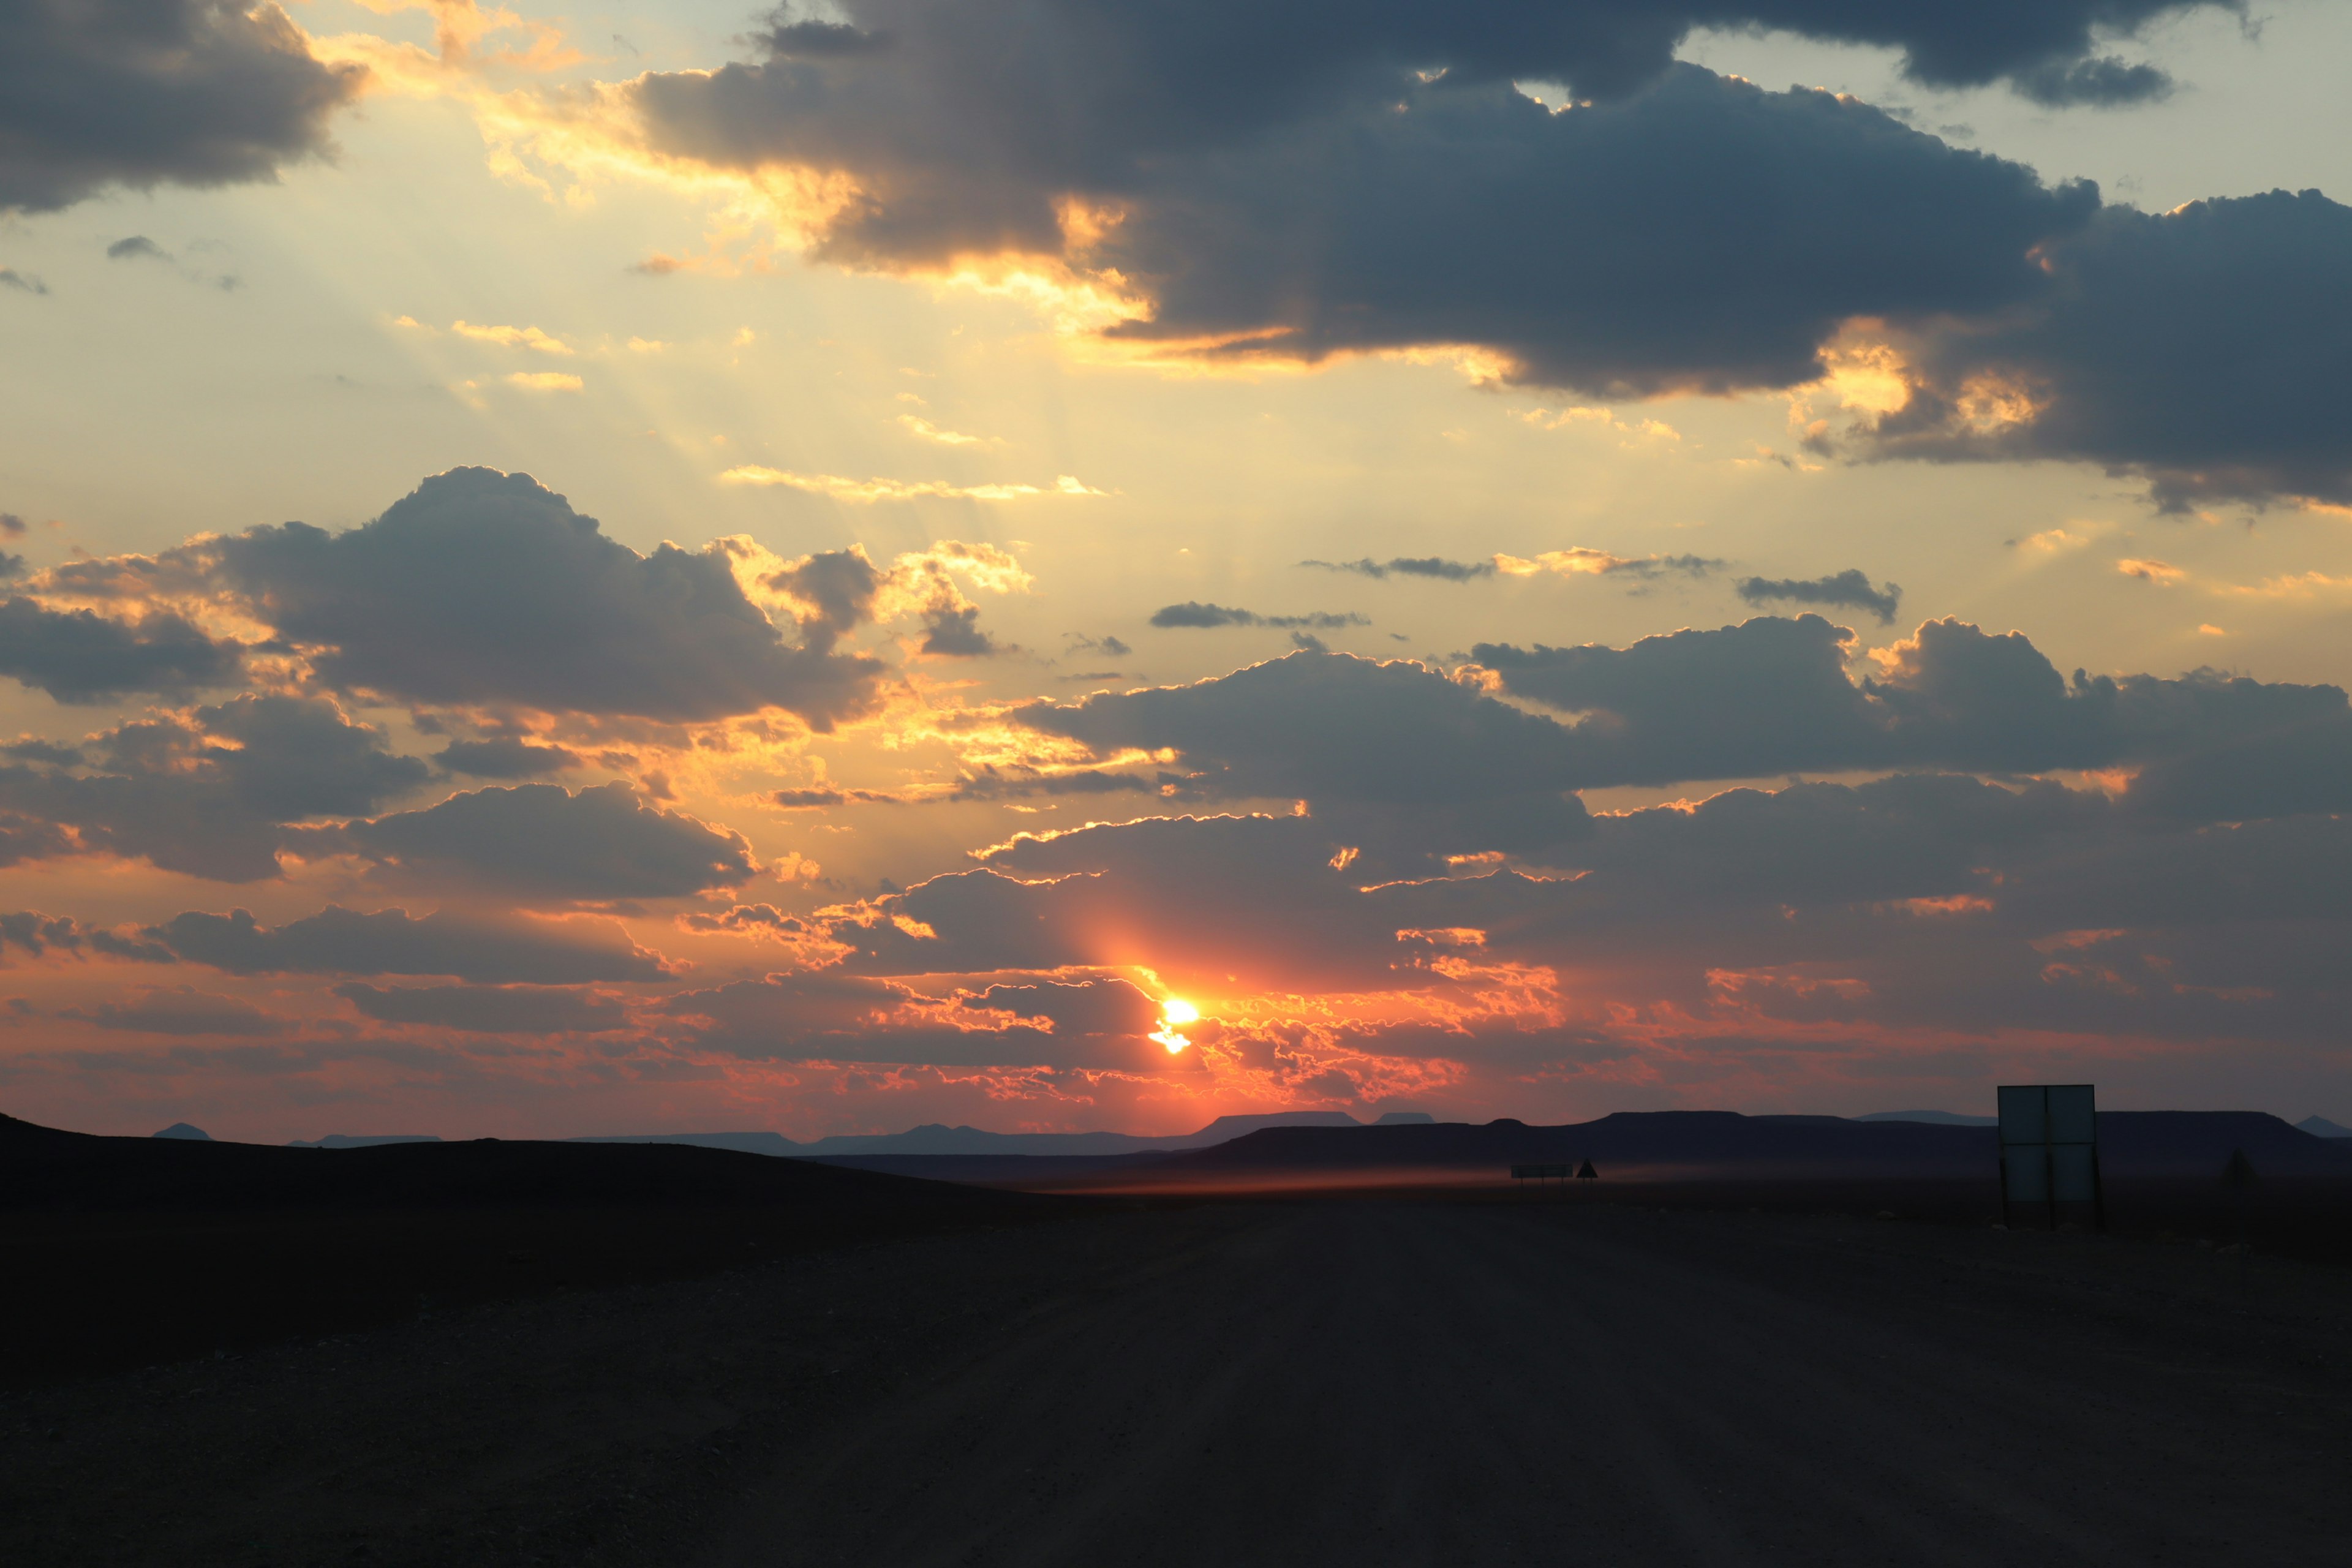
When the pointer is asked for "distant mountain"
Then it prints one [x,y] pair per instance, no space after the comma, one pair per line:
[2143,1143]
[345,1140]
[182,1130]
[2320,1127]
[1406,1119]
[1939,1118]
[935,1139]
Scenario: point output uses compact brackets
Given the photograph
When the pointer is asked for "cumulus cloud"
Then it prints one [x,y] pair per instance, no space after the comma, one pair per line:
[338,940]
[1849,589]
[2205,348]
[193,92]
[489,1009]
[1401,762]
[1415,763]
[544,842]
[483,588]
[506,757]
[36,935]
[79,657]
[1772,696]
[1382,184]
[209,793]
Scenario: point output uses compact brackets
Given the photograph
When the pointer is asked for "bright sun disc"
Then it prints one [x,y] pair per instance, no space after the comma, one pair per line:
[1173,1015]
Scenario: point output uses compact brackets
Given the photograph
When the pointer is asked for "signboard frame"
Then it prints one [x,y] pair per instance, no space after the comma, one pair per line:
[2049,1137]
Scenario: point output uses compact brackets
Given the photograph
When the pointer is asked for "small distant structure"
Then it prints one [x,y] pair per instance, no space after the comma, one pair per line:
[2049,1153]
[182,1130]
[1571,1172]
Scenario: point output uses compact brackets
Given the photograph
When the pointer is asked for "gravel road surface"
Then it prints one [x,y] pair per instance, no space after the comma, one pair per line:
[1342,1384]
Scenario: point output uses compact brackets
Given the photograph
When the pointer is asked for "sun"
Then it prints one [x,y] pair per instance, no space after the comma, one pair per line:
[1174,1013]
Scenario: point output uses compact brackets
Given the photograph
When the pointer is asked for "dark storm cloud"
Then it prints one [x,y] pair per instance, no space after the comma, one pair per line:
[143,92]
[209,793]
[77,655]
[542,841]
[1850,589]
[11,566]
[486,587]
[337,940]
[1192,613]
[2209,347]
[1410,566]
[488,1010]
[506,757]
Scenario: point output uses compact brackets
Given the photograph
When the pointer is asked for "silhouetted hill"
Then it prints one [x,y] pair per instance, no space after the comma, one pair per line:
[1723,1143]
[933,1140]
[123,1251]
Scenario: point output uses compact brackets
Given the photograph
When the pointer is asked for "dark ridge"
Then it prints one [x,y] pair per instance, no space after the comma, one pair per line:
[1726,1144]
[130,1251]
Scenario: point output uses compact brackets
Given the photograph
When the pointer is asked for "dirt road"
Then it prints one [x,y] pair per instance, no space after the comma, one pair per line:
[1342,1384]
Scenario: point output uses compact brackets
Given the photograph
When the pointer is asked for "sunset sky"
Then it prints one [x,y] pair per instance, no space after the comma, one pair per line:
[664,567]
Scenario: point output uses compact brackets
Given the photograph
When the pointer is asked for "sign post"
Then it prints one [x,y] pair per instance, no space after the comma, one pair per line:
[2050,1151]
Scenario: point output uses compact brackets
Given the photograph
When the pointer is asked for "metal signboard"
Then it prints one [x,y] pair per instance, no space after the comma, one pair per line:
[2049,1153]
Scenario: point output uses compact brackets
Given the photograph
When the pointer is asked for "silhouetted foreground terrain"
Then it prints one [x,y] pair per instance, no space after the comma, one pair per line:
[123,1252]
[1343,1384]
[766,1361]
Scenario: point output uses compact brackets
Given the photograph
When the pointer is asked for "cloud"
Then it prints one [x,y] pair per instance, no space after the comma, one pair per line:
[488,1010]
[179,1011]
[513,338]
[207,793]
[2203,348]
[12,278]
[837,1017]
[543,842]
[1579,561]
[1771,695]
[137,247]
[1193,613]
[544,381]
[337,941]
[1674,235]
[866,491]
[1410,566]
[12,526]
[483,588]
[1381,185]
[1409,762]
[36,935]
[2163,573]
[1848,588]
[79,656]
[193,92]
[506,757]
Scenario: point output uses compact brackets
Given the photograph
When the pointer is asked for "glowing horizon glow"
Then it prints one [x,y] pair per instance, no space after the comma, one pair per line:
[1175,1013]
